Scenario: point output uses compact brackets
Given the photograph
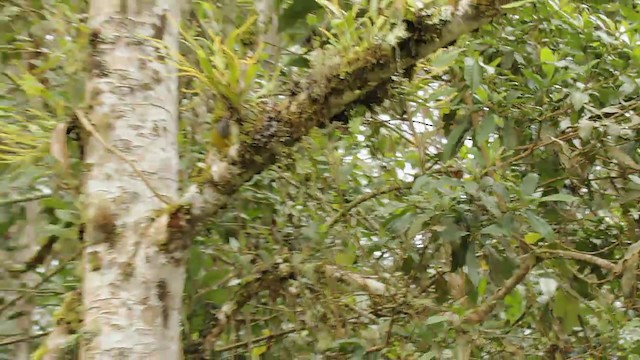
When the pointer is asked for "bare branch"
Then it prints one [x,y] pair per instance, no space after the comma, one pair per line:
[18,339]
[259,339]
[605,264]
[370,285]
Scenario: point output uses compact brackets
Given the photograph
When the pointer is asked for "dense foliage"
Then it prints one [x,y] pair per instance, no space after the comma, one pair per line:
[487,205]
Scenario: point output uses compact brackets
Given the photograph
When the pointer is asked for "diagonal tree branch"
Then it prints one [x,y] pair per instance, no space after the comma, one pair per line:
[479,314]
[329,91]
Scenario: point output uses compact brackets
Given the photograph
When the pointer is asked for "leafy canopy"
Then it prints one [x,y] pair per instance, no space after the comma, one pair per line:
[520,138]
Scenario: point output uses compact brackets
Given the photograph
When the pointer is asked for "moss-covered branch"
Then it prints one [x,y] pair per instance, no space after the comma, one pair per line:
[331,90]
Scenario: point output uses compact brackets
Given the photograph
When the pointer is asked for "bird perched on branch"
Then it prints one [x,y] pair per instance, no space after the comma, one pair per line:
[221,136]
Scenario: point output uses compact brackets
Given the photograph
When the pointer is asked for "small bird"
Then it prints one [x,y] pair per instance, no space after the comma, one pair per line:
[221,136]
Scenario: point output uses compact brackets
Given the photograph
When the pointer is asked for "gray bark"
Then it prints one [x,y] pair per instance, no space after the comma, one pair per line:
[133,270]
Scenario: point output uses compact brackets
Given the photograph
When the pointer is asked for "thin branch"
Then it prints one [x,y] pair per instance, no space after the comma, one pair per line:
[18,339]
[40,255]
[480,313]
[362,198]
[604,264]
[389,331]
[268,277]
[34,291]
[264,278]
[258,339]
[532,147]
[89,127]
[55,271]
[375,349]
[24,199]
[372,286]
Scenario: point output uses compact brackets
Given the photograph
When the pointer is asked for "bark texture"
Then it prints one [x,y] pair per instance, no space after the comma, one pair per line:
[268,30]
[24,306]
[133,270]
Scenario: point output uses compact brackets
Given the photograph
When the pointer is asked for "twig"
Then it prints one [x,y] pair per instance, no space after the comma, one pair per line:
[264,278]
[362,198]
[532,147]
[605,264]
[258,339]
[375,349]
[603,250]
[372,286]
[33,291]
[393,317]
[59,268]
[25,199]
[19,339]
[479,314]
[361,312]
[87,125]
[42,253]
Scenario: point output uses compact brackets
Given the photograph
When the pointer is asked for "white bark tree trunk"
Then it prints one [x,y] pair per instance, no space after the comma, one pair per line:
[133,270]
[268,29]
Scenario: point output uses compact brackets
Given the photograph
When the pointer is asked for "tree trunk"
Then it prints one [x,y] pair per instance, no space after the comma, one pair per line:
[268,30]
[27,241]
[133,274]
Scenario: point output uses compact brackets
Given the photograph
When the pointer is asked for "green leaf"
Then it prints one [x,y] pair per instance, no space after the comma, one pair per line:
[585,127]
[299,61]
[578,99]
[297,11]
[539,225]
[532,237]
[494,230]
[67,215]
[31,85]
[454,141]
[346,257]
[500,267]
[473,265]
[257,351]
[212,277]
[622,158]
[485,128]
[547,57]
[435,319]
[472,73]
[566,309]
[559,197]
[509,135]
[55,203]
[442,92]
[445,58]
[400,221]
[218,296]
[529,184]
[514,304]
[418,225]
[420,183]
